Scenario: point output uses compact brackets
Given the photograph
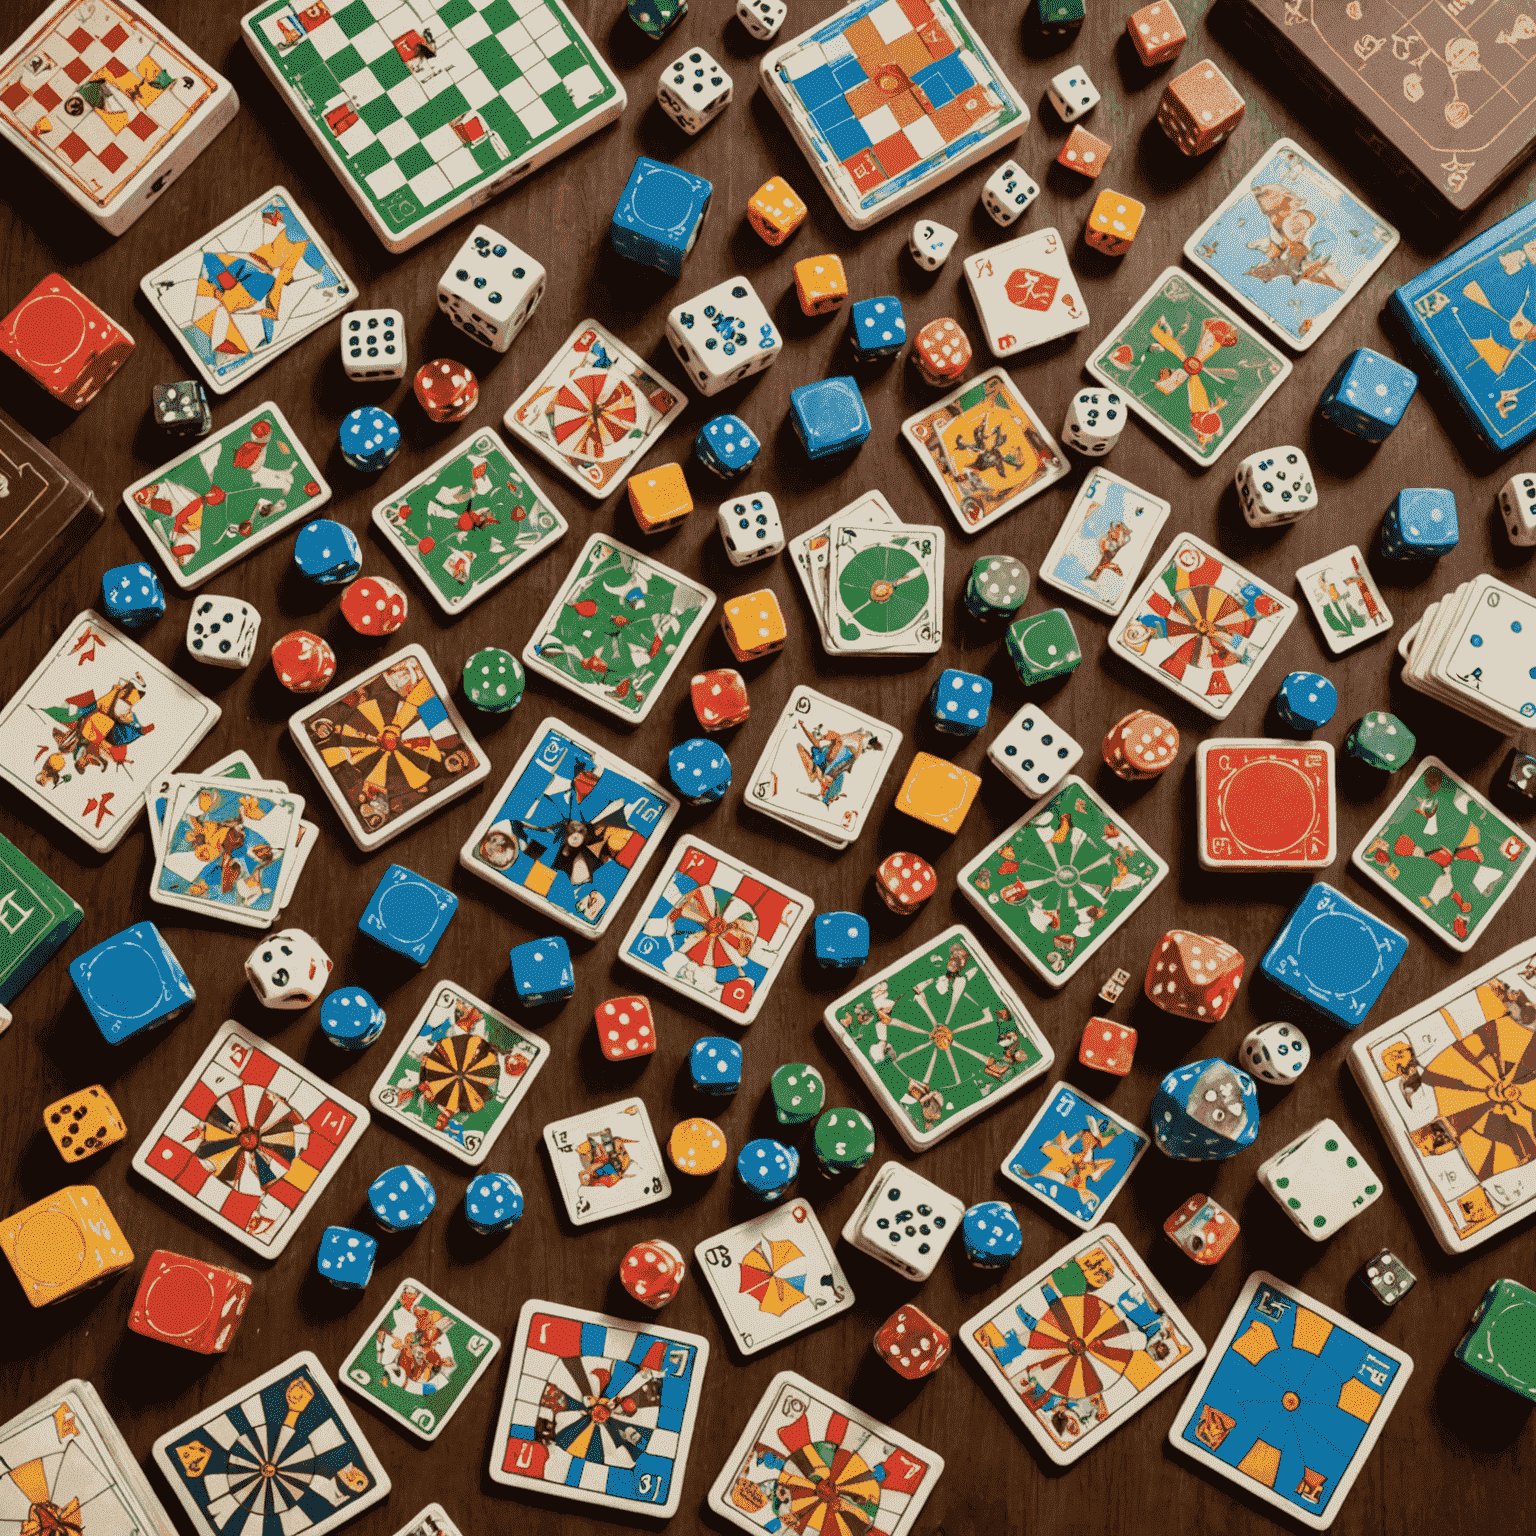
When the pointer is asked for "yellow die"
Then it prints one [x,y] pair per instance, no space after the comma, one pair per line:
[697,1146]
[81,1124]
[1113,222]
[659,497]
[937,792]
[63,1244]
[753,625]
[775,211]
[821,284]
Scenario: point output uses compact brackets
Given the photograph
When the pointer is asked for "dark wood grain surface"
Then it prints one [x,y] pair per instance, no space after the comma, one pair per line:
[1450,1456]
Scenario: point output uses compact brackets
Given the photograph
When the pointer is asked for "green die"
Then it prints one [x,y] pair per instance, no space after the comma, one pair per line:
[36,916]
[656,17]
[1059,16]
[844,1141]
[1500,1341]
[1381,740]
[494,680]
[997,587]
[1044,646]
[798,1093]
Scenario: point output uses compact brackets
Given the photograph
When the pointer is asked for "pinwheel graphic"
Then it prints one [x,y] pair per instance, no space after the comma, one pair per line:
[249,1138]
[386,748]
[1078,1347]
[1204,412]
[460,1075]
[592,413]
[1483,1088]
[240,293]
[764,1280]
[715,928]
[829,1489]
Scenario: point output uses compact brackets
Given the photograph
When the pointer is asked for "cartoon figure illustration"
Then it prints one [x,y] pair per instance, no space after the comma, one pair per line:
[1114,539]
[414,1350]
[1071,1160]
[1287,248]
[90,730]
[831,757]
[604,1162]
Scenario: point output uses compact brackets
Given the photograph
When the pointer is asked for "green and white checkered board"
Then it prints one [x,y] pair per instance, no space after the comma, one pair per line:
[425,110]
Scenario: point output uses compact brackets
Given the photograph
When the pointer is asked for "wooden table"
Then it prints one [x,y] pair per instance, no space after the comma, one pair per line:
[995,1480]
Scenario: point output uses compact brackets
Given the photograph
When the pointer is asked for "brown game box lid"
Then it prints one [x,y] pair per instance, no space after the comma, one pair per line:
[46,513]
[1444,92]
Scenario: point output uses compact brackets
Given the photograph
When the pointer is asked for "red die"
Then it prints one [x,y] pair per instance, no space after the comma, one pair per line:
[188,1303]
[64,341]
[625,1028]
[304,663]
[905,882]
[1193,975]
[1202,1229]
[446,390]
[374,605]
[1108,1046]
[652,1272]
[941,352]
[720,698]
[911,1343]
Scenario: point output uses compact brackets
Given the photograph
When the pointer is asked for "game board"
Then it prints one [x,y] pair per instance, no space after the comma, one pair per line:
[426,110]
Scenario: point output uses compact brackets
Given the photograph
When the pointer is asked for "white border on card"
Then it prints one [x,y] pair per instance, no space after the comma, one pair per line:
[631,1105]
[1073,520]
[1331,639]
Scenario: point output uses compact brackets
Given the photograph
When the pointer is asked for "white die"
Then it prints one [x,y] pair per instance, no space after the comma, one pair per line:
[762,18]
[693,90]
[724,335]
[1072,93]
[490,288]
[1321,1180]
[1095,420]
[1034,752]
[373,344]
[930,244]
[1517,501]
[1008,193]
[1275,487]
[222,630]
[750,529]
[905,1221]
[1278,1053]
[287,970]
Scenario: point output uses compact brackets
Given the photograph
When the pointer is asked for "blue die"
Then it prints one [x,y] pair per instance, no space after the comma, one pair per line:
[659,215]
[327,552]
[1420,525]
[541,970]
[1205,1112]
[346,1257]
[767,1168]
[132,595]
[351,1019]
[829,416]
[959,701]
[842,940]
[1368,394]
[408,913]
[401,1198]
[714,1065]
[1333,954]
[879,328]
[991,1234]
[132,982]
[1306,701]
[493,1203]
[370,438]
[727,445]
[700,770]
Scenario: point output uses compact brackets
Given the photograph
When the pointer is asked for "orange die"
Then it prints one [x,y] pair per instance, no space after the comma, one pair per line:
[905,882]
[1107,1046]
[189,1303]
[822,284]
[1200,108]
[753,625]
[1202,1229]
[81,1124]
[64,1243]
[625,1028]
[659,497]
[937,792]
[1156,32]
[697,1146]
[61,338]
[1084,151]
[1113,222]
[775,211]
[720,698]
[941,352]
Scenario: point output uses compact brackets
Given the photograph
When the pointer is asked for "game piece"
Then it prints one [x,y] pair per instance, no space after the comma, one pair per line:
[327,553]
[1193,976]
[775,210]
[373,345]
[1008,191]
[408,913]
[1278,1053]
[181,409]
[959,701]
[997,587]
[493,1203]
[798,1092]
[719,696]
[1344,599]
[288,970]
[1156,33]
[1025,293]
[941,353]
[652,1272]
[659,215]
[1205,1112]
[727,446]
[700,771]
[36,916]
[1113,222]
[753,626]
[714,1066]
[911,1343]
[930,243]
[1199,108]
[751,530]
[1499,1342]
[64,1244]
[541,970]
[1381,741]
[132,982]
[829,416]
[841,940]
[767,1169]
[1520,775]
[656,17]
[1044,647]
[991,1235]
[1386,1278]
[82,1124]
[1075,1156]
[1072,93]
[1517,501]
[1034,752]
[1085,152]
[1104,541]
[1306,701]
[351,1019]
[877,329]
[694,90]
[937,792]
[659,497]
[844,1141]
[1060,18]
[374,606]
[1141,746]
[303,661]
[1420,525]
[494,680]
[189,1303]
[1113,989]
[904,1221]
[1264,804]
[68,345]
[369,438]
[1108,1046]
[1275,487]
[1095,420]
[446,390]
[820,284]
[762,18]
[724,335]
[625,1028]
[697,1146]
[401,1198]
[1367,395]
[905,882]
[1320,1181]
[1202,1230]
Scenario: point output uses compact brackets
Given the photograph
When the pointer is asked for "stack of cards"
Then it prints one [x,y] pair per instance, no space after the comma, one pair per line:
[823,767]
[1475,649]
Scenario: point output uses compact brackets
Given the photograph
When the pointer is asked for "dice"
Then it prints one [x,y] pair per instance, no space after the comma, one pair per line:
[1278,1053]
[1044,647]
[877,328]
[408,913]
[1084,152]
[1381,741]
[727,446]
[327,553]
[937,793]
[375,606]
[1113,222]
[1201,1229]
[656,17]
[1500,1343]
[67,344]
[351,1019]
[1095,420]
[714,1066]
[660,497]
[490,288]
[776,210]
[751,530]
[996,587]
[700,770]
[1420,525]
[1205,1112]
[1072,93]
[941,352]
[494,680]
[652,1272]
[63,1244]
[446,389]
[346,1257]
[820,284]
[1386,1278]
[720,698]
[905,1221]
[841,940]
[911,1343]
[1199,108]
[1367,395]
[930,243]
[991,1235]
[287,970]
[625,1028]
[373,344]
[493,1203]
[1306,701]
[189,1303]
[1517,503]
[181,409]
[1140,746]
[303,661]
[1520,777]
[762,18]
[694,90]
[767,1169]
[131,595]
[724,335]
[541,970]
[1107,1046]
[1193,975]
[1320,1180]
[1275,487]
[401,1198]
[1059,18]
[1156,32]
[659,214]
[697,1146]
[1034,752]
[82,1124]
[844,1141]
[798,1092]
[753,626]
[1008,191]
[904,882]
[829,416]
[132,982]
[369,439]
[959,701]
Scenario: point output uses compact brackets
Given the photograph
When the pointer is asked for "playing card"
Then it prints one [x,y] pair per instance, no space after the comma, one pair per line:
[1075,1156]
[595,409]
[811,550]
[89,732]
[469,522]
[226,496]
[599,1409]
[715,930]
[1082,1344]
[939,1036]
[1202,626]
[458,1074]
[774,1275]
[252,287]
[1344,599]
[1025,293]
[419,1360]
[1104,541]
[234,765]
[1193,371]
[618,628]
[822,1459]
[1265,804]
[1291,1399]
[885,589]
[250,1140]
[1291,245]
[1061,880]
[389,747]
[283,1450]
[1490,651]
[607,1161]
[1443,853]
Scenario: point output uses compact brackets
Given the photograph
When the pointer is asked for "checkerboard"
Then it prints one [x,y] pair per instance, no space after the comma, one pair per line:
[425,110]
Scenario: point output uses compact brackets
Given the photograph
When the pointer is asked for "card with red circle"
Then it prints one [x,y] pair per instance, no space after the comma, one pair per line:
[1265,804]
